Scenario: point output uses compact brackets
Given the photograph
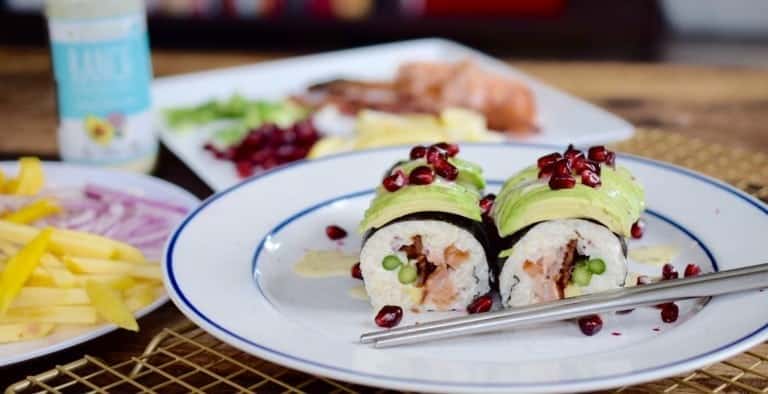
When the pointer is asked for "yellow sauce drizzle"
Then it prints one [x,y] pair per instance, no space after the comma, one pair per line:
[654,255]
[324,264]
[358,293]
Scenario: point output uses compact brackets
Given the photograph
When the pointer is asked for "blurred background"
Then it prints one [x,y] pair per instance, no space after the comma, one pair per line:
[687,31]
[695,67]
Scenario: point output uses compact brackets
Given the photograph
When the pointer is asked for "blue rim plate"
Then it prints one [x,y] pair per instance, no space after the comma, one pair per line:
[228,268]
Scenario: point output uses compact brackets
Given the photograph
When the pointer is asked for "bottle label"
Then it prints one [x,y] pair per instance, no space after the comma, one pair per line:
[103,74]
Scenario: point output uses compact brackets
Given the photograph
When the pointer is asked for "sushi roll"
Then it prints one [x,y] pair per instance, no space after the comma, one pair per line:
[424,244]
[562,225]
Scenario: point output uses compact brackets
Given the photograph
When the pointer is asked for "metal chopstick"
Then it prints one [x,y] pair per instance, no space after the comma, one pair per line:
[730,281]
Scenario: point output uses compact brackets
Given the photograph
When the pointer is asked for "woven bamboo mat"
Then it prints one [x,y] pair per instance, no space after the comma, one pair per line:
[185,359]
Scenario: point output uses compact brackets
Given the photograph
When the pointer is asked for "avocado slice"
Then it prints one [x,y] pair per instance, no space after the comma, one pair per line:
[437,197]
[470,174]
[525,200]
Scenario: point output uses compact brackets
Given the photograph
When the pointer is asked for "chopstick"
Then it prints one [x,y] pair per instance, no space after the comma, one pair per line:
[724,282]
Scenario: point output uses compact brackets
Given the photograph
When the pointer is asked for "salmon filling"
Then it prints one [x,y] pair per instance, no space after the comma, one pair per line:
[434,271]
[552,275]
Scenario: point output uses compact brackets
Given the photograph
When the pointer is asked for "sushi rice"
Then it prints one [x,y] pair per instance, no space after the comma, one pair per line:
[452,286]
[545,245]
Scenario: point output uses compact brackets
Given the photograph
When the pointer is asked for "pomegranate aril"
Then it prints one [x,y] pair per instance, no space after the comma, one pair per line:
[450,149]
[590,325]
[579,164]
[221,155]
[289,136]
[597,153]
[486,203]
[418,152]
[481,304]
[389,316]
[582,164]
[298,153]
[285,152]
[305,132]
[434,154]
[548,160]
[643,280]
[270,162]
[610,159]
[692,270]
[226,154]
[561,168]
[669,312]
[395,181]
[545,172]
[589,178]
[269,146]
[421,175]
[668,272]
[335,232]
[571,154]
[638,229]
[356,272]
[562,182]
[272,135]
[244,169]
[254,138]
[446,170]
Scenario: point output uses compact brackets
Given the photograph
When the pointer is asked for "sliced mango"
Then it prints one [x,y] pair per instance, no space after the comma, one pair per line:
[64,314]
[83,265]
[45,296]
[63,242]
[20,267]
[117,282]
[141,295]
[30,179]
[109,305]
[121,250]
[34,211]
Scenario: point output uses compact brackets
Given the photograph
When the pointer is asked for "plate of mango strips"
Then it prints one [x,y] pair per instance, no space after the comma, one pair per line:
[79,251]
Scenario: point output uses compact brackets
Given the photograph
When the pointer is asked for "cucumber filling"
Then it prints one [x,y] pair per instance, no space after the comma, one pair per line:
[391,262]
[584,269]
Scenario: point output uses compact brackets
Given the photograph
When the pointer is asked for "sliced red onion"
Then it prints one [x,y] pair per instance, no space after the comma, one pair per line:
[80,220]
[103,193]
[139,221]
[159,244]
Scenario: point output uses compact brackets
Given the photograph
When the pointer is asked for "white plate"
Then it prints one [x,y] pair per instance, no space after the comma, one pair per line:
[562,118]
[229,269]
[61,174]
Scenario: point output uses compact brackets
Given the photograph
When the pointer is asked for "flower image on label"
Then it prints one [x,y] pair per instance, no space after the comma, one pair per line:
[103,74]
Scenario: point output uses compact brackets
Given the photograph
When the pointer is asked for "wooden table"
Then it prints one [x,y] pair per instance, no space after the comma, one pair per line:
[728,105]
[725,105]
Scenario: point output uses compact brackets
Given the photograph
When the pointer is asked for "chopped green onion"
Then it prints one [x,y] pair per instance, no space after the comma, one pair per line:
[581,275]
[407,274]
[241,113]
[596,266]
[391,262]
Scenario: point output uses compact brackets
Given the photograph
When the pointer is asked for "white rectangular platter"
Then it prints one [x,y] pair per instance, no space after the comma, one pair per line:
[562,118]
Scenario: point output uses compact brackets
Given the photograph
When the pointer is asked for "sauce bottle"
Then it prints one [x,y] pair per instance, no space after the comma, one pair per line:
[102,68]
